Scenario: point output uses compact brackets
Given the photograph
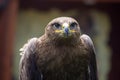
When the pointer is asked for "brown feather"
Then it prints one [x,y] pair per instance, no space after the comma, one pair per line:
[60,62]
[52,57]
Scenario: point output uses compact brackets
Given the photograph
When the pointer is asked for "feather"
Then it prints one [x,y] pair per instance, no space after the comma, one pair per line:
[56,57]
[92,67]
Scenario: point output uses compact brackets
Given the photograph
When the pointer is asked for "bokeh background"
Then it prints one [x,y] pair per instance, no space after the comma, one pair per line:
[21,20]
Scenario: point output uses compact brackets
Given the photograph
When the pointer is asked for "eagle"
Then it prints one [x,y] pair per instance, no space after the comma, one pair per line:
[61,53]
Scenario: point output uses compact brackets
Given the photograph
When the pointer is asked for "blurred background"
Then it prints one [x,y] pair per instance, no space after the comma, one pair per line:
[21,20]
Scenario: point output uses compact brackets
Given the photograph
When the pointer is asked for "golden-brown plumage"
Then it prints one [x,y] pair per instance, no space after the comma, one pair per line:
[60,54]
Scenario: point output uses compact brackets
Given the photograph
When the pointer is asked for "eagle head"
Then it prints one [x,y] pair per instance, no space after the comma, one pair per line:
[63,28]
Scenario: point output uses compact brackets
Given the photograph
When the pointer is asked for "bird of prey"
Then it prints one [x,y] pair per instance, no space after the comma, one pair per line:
[62,53]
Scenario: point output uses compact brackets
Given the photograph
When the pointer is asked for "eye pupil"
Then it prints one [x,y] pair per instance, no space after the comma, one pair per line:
[56,25]
[73,25]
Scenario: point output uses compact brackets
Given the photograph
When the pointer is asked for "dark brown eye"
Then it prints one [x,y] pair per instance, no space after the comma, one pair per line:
[56,25]
[73,25]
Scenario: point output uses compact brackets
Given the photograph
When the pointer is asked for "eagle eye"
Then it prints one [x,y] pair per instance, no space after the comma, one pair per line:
[56,25]
[73,25]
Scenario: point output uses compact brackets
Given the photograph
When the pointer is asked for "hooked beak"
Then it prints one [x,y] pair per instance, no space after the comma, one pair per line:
[66,29]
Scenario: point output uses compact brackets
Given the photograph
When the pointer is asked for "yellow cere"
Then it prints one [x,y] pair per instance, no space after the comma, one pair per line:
[72,31]
[59,31]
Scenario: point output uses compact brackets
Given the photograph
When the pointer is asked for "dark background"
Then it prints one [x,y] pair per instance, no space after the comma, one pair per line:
[8,14]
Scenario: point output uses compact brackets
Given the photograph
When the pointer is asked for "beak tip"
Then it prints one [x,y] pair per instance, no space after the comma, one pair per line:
[66,30]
